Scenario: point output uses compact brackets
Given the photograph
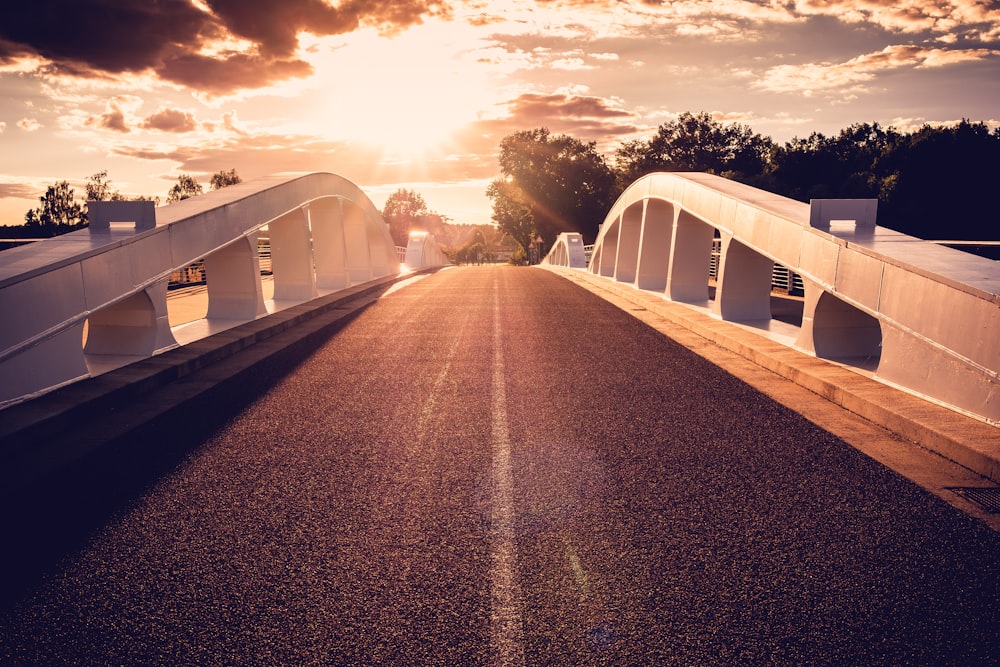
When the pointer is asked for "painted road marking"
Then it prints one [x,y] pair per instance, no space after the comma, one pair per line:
[506,632]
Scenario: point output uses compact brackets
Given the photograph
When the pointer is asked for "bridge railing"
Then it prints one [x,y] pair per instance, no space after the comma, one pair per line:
[85,302]
[917,315]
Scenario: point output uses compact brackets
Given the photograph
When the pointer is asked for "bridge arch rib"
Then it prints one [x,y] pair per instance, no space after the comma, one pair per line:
[915,314]
[95,299]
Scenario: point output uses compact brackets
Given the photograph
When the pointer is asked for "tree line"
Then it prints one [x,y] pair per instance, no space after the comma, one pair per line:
[932,183]
[59,211]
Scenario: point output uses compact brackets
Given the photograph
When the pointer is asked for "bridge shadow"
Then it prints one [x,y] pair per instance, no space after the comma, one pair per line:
[45,523]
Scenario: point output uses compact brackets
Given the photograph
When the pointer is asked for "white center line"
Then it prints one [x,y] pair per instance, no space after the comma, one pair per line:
[506,633]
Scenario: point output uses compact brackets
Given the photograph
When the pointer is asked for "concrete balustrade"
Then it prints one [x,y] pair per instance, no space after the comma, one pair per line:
[918,315]
[86,302]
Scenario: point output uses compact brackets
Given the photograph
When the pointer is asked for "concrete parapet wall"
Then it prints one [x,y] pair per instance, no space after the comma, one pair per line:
[914,314]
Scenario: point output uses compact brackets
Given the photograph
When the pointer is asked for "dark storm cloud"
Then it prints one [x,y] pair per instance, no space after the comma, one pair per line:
[96,37]
[275,24]
[102,35]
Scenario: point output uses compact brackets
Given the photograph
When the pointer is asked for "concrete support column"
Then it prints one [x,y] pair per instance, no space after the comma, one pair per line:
[743,292]
[157,294]
[655,245]
[291,257]
[629,236]
[812,294]
[233,276]
[326,217]
[690,257]
[359,264]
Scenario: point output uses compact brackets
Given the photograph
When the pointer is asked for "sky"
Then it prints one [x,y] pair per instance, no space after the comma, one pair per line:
[418,94]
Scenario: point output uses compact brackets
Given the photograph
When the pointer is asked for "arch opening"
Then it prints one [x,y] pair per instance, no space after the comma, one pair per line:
[609,251]
[629,236]
[844,333]
[120,333]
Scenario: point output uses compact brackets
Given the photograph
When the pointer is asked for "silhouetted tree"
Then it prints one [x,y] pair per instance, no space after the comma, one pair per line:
[59,212]
[564,183]
[98,188]
[511,213]
[696,143]
[937,183]
[222,179]
[846,166]
[185,188]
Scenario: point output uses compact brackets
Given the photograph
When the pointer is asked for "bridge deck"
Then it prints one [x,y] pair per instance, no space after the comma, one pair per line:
[495,465]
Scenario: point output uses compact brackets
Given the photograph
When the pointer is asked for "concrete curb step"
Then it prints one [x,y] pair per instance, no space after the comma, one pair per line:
[967,441]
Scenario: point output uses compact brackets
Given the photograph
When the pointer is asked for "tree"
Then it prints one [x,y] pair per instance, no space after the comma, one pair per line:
[185,188]
[934,183]
[222,179]
[510,212]
[402,211]
[59,211]
[849,165]
[564,183]
[697,143]
[98,188]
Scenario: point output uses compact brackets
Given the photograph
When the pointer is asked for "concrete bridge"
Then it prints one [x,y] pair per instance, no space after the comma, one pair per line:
[483,465]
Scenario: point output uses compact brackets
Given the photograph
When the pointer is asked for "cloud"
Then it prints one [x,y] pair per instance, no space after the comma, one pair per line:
[854,74]
[234,71]
[275,24]
[585,117]
[3,126]
[179,39]
[170,120]
[18,191]
[29,124]
[113,36]
[908,16]
[117,115]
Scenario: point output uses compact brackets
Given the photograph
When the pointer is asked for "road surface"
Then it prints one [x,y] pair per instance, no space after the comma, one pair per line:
[493,466]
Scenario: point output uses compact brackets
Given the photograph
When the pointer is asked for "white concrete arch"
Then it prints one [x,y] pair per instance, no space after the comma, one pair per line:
[921,316]
[567,251]
[111,279]
[422,250]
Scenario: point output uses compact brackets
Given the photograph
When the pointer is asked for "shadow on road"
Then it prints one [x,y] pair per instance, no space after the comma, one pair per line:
[54,517]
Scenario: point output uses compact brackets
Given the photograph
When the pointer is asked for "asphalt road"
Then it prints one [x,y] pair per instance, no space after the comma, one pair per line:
[493,466]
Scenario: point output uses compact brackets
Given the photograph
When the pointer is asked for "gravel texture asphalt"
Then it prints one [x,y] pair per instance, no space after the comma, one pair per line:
[494,466]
